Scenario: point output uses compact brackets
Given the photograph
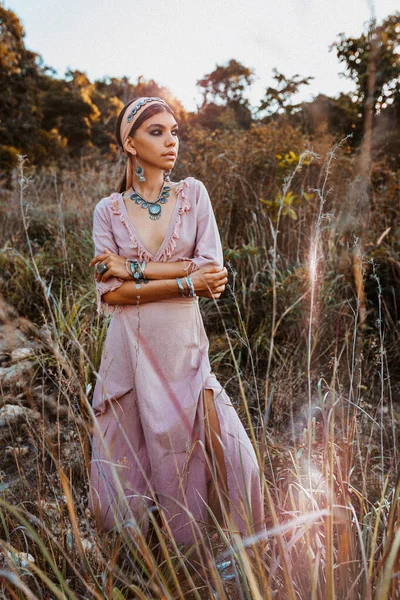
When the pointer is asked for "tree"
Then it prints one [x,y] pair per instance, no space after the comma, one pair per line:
[226,86]
[279,99]
[22,75]
[384,40]
[226,83]
[375,55]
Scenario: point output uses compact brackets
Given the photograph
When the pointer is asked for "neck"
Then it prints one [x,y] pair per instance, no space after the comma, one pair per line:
[151,188]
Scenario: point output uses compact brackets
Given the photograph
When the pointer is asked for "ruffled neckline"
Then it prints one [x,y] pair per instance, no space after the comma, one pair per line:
[168,245]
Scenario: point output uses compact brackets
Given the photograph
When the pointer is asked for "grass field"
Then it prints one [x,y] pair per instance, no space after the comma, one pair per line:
[305,340]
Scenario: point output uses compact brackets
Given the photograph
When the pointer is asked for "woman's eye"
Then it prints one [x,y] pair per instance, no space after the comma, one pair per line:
[176,132]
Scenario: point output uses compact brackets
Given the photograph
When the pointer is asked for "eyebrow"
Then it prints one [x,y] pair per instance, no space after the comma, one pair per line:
[162,126]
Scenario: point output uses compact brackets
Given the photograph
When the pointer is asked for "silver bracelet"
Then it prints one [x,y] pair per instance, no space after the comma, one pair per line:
[128,264]
[128,267]
[190,286]
[182,289]
[142,268]
[134,268]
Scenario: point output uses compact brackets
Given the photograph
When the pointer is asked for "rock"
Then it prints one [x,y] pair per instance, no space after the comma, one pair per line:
[87,544]
[16,376]
[11,337]
[11,413]
[18,451]
[7,312]
[22,558]
[19,354]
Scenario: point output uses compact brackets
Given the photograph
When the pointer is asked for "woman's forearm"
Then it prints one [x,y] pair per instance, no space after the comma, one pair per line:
[127,293]
[167,270]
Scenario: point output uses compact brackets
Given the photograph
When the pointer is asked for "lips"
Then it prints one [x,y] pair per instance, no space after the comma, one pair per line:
[170,155]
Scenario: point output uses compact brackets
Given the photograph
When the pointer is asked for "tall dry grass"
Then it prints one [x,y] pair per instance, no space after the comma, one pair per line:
[283,340]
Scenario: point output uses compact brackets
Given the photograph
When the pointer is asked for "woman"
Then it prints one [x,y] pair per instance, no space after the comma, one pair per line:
[160,413]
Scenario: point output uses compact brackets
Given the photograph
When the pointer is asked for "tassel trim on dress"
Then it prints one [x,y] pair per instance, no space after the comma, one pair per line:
[102,306]
[185,207]
[134,243]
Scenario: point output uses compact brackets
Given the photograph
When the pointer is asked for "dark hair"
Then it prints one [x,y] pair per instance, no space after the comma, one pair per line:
[144,114]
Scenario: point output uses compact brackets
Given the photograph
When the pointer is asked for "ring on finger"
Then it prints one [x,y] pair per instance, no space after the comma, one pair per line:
[102,268]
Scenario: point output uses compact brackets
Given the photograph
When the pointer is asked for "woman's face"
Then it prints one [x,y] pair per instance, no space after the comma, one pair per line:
[157,136]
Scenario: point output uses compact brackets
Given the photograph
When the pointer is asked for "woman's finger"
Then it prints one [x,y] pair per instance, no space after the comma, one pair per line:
[105,261]
[108,272]
[97,259]
[102,257]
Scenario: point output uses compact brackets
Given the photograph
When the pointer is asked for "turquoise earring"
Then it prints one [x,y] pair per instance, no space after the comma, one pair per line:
[139,171]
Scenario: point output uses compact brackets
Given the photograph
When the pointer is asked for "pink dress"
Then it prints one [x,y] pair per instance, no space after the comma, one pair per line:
[148,403]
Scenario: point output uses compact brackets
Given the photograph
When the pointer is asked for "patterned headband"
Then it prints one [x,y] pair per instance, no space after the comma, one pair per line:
[141,103]
[129,118]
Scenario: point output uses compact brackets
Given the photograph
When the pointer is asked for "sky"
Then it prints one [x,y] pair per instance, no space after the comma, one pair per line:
[177,42]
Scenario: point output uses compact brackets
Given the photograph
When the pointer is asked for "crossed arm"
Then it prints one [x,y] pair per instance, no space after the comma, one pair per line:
[162,282]
[206,266]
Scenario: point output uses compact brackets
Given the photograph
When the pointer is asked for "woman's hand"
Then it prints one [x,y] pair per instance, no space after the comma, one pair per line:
[115,266]
[209,281]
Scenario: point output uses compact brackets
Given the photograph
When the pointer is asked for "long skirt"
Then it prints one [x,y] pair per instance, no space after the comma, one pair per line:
[149,446]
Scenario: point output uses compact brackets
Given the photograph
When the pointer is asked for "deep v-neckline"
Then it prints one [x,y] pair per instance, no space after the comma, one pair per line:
[169,229]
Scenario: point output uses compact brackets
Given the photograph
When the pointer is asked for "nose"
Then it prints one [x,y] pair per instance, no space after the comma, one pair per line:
[171,138]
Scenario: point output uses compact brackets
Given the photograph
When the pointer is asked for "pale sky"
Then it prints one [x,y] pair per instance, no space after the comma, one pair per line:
[176,42]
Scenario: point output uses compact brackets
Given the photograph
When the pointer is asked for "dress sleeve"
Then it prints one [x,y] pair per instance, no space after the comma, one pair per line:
[103,238]
[208,247]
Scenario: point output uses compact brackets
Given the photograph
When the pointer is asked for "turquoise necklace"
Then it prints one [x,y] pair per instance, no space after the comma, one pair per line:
[154,208]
